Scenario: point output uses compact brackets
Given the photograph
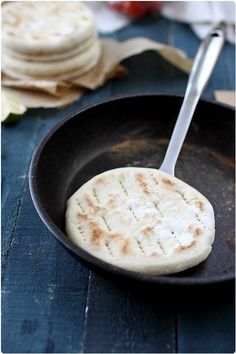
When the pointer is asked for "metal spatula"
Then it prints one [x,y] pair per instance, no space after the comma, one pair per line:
[203,66]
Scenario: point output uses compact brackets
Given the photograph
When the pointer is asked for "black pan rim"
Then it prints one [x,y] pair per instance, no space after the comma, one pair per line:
[87,257]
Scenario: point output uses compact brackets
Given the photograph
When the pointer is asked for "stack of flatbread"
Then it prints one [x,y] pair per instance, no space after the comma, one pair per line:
[48,40]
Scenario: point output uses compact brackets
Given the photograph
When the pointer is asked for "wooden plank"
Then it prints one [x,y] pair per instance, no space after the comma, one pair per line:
[206,321]
[124,316]
[181,36]
[18,143]
[44,287]
[229,60]
[154,27]
[14,172]
[148,72]
[27,297]
[44,290]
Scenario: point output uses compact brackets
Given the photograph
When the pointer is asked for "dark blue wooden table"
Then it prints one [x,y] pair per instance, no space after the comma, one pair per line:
[52,303]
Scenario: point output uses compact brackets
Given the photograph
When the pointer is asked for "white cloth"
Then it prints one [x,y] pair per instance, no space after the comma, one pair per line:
[107,20]
[203,15]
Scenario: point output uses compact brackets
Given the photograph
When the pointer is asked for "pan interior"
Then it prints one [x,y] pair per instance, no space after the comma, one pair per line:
[135,132]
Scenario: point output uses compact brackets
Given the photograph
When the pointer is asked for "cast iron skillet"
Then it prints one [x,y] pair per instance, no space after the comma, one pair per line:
[134,131]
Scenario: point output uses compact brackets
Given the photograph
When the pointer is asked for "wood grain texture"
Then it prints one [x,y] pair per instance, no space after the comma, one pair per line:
[127,317]
[40,281]
[52,303]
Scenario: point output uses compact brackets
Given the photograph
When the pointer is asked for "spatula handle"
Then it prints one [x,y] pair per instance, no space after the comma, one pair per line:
[202,68]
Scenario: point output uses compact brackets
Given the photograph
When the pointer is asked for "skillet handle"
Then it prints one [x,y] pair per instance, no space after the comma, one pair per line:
[202,68]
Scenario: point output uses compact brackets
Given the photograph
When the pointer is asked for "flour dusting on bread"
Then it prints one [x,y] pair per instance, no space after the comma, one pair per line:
[141,219]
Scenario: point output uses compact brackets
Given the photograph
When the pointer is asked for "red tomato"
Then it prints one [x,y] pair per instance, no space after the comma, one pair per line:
[135,9]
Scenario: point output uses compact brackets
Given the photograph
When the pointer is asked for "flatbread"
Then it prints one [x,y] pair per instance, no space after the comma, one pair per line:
[38,27]
[84,46]
[141,219]
[14,74]
[60,70]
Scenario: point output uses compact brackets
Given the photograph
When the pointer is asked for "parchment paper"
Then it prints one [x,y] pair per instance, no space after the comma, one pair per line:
[226,97]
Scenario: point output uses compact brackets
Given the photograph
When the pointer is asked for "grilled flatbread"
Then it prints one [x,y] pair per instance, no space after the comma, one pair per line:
[38,27]
[141,219]
[84,46]
[44,70]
